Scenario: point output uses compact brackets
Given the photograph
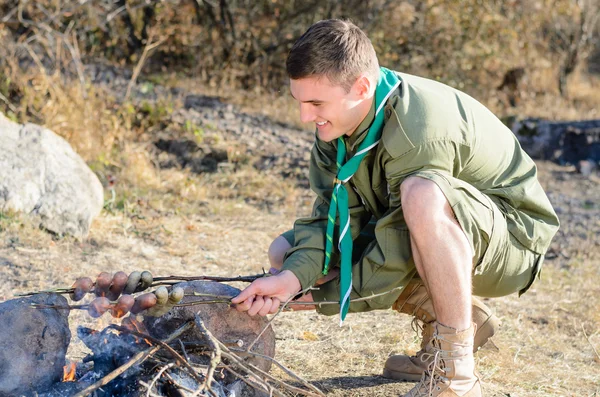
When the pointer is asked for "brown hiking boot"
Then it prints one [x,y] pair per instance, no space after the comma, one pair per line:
[451,372]
[415,301]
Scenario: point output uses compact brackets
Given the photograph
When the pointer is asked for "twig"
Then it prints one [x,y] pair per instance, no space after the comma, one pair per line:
[214,360]
[183,350]
[252,369]
[138,68]
[49,291]
[162,344]
[161,281]
[151,394]
[256,384]
[59,307]
[588,339]
[9,104]
[281,366]
[157,377]
[248,279]
[251,345]
[76,56]
[139,357]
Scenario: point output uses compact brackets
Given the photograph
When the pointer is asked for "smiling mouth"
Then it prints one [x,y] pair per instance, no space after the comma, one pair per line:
[321,124]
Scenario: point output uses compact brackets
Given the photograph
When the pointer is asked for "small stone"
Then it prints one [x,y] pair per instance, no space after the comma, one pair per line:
[586,167]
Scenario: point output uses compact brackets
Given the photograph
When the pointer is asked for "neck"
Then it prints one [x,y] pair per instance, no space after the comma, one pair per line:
[362,110]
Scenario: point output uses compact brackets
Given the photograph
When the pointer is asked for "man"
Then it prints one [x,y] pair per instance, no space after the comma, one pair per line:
[436,202]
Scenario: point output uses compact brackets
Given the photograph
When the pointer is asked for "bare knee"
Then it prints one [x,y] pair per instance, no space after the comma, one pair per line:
[423,202]
[277,251]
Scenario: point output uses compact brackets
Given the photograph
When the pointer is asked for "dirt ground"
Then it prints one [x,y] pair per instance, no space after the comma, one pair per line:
[548,344]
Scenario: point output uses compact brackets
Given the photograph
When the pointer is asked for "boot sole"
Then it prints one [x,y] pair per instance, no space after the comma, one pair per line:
[486,331]
[391,374]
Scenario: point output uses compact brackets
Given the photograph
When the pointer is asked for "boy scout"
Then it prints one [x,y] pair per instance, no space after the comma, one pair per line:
[421,193]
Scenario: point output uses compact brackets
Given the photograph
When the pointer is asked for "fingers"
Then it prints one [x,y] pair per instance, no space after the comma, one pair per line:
[245,305]
[247,293]
[261,305]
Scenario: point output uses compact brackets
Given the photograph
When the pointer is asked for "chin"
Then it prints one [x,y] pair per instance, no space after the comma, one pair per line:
[327,136]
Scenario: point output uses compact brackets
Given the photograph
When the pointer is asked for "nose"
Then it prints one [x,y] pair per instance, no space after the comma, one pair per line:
[307,113]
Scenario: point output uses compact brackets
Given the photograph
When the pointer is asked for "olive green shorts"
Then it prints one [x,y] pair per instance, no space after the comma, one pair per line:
[501,264]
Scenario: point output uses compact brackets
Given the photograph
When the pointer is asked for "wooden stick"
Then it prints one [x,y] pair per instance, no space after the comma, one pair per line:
[281,366]
[139,357]
[247,279]
[214,360]
[162,344]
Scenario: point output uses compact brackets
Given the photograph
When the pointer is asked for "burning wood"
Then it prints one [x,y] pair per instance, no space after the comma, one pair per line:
[69,372]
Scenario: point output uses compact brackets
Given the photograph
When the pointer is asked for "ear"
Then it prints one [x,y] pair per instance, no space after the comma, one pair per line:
[362,87]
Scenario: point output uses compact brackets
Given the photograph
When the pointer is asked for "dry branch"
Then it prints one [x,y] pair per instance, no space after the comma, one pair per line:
[164,345]
[139,357]
[214,360]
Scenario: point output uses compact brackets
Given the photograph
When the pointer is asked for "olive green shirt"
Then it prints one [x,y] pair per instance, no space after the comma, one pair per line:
[428,126]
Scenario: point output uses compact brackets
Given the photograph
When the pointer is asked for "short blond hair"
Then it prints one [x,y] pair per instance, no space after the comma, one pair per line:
[335,48]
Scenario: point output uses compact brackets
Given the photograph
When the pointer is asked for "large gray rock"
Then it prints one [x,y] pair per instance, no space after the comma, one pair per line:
[226,324]
[40,174]
[33,344]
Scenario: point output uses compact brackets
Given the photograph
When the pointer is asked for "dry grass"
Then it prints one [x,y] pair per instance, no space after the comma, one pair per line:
[541,350]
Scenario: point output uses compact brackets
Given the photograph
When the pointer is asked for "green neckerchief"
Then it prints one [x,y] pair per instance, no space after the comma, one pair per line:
[388,82]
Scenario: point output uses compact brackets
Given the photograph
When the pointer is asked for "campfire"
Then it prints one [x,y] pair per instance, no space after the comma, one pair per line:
[197,346]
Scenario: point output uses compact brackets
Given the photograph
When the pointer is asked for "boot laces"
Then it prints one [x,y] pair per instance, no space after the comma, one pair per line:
[437,370]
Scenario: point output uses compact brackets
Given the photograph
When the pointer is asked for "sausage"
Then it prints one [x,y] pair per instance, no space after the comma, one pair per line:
[81,286]
[119,281]
[162,295]
[146,281]
[98,307]
[132,282]
[103,282]
[123,306]
[143,302]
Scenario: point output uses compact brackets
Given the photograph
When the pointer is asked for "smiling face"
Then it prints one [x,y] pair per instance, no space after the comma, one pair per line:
[334,111]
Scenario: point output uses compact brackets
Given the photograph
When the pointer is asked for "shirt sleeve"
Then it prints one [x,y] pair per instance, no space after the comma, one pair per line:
[307,257]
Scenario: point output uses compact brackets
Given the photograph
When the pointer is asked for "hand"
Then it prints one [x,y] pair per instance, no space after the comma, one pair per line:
[265,295]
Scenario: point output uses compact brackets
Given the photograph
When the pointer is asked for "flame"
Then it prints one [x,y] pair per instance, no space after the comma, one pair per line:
[69,372]
[117,312]
[134,325]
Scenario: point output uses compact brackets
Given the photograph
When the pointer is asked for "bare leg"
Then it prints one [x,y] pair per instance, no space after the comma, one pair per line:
[277,250]
[441,251]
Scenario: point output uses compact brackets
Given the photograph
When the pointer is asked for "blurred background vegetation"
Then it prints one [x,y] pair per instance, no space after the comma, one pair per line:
[522,58]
